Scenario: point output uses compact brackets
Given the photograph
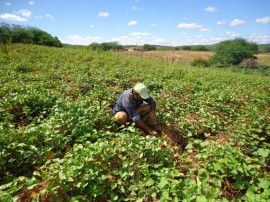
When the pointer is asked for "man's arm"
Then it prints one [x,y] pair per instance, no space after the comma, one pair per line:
[153,116]
[143,126]
[140,123]
[153,107]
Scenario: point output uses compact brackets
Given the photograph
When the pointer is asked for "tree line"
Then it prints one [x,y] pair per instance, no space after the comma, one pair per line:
[229,52]
[116,46]
[26,35]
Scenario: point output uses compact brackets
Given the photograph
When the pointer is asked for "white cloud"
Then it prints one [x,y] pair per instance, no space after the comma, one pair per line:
[31,2]
[153,24]
[232,34]
[193,26]
[25,13]
[8,4]
[79,40]
[91,26]
[47,16]
[211,9]
[139,34]
[236,22]
[132,22]
[135,8]
[263,20]
[162,42]
[124,40]
[12,17]
[189,26]
[216,39]
[221,22]
[134,38]
[103,14]
[139,38]
[260,39]
[205,30]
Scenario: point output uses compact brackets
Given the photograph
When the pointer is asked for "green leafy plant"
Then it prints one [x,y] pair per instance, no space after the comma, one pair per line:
[200,62]
[58,140]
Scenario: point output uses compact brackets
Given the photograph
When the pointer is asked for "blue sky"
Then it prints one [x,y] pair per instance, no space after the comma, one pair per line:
[138,22]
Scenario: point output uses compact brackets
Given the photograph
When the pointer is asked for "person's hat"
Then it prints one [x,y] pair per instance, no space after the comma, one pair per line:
[142,90]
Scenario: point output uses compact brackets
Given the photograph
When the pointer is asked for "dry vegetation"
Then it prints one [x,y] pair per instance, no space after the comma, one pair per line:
[187,56]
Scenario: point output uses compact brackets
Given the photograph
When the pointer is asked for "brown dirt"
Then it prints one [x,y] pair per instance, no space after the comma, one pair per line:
[187,56]
[170,56]
[176,138]
[27,195]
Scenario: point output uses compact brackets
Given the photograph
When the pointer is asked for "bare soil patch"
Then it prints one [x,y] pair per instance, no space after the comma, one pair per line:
[175,138]
[27,195]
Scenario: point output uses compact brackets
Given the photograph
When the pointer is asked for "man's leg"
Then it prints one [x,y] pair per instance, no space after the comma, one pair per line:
[121,117]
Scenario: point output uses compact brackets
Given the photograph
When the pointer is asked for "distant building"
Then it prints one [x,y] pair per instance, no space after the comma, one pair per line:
[134,49]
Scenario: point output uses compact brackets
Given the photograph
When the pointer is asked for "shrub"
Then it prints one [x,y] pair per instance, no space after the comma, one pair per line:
[232,52]
[186,47]
[26,35]
[249,63]
[148,47]
[23,68]
[199,48]
[200,62]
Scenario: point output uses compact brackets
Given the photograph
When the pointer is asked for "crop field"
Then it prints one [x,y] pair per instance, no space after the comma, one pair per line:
[185,56]
[58,141]
[264,59]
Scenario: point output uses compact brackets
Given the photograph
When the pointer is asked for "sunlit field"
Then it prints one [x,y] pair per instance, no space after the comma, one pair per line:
[58,141]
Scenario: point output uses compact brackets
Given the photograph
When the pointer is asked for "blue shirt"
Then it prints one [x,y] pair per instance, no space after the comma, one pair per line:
[127,103]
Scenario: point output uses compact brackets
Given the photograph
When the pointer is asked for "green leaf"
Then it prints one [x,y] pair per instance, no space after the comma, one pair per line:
[6,197]
[154,194]
[263,152]
[78,185]
[239,184]
[201,199]
[189,146]
[133,188]
[115,198]
[150,182]
[217,182]
[163,183]
[264,183]
[141,155]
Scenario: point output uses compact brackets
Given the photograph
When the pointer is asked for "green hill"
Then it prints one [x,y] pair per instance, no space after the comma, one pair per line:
[58,141]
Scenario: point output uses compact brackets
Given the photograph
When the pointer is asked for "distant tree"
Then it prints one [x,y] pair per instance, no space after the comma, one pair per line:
[149,47]
[199,48]
[186,47]
[94,46]
[267,49]
[43,38]
[20,34]
[232,52]
[5,32]
[106,46]
[176,48]
[114,46]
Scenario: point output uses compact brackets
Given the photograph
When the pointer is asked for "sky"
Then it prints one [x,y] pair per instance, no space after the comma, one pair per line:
[139,22]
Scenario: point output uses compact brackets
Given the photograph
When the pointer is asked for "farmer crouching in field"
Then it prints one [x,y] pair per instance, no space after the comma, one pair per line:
[130,107]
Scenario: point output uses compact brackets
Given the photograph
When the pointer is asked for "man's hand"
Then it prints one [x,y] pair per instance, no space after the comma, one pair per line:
[153,133]
[153,118]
